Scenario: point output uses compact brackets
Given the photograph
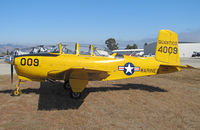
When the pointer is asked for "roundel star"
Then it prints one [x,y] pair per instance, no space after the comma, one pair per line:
[128,68]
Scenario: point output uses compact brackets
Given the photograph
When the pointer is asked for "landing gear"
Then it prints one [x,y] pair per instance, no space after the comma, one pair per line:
[66,85]
[75,89]
[17,91]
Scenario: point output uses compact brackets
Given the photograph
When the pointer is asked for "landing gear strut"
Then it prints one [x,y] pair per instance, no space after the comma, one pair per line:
[66,85]
[17,91]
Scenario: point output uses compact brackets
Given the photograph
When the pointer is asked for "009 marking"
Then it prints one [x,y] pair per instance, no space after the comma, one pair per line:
[29,62]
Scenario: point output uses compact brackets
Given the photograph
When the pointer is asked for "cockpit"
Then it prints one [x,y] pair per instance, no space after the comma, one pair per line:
[75,48]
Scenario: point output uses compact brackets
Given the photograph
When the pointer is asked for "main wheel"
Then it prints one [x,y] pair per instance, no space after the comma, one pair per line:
[66,85]
[75,95]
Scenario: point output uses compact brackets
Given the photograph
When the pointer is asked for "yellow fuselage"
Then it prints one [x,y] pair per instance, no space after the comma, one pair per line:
[76,70]
[37,68]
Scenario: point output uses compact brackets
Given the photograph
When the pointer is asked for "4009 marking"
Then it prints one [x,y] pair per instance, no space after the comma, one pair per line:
[170,50]
[29,62]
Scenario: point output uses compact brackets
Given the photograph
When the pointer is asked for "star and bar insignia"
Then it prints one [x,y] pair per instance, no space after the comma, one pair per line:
[128,68]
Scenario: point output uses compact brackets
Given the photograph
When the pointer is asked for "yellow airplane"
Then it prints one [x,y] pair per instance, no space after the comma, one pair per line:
[76,69]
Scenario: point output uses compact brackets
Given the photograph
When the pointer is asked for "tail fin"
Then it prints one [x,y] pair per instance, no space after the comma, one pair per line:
[167,50]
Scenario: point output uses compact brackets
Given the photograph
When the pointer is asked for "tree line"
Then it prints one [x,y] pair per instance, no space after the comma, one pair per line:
[113,45]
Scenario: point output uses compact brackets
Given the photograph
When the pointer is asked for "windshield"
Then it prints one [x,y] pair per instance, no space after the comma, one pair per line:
[36,50]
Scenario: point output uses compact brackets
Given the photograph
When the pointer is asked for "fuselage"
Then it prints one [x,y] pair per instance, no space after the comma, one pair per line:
[37,67]
[76,69]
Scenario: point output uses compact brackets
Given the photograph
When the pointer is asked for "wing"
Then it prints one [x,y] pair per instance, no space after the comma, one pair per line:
[78,73]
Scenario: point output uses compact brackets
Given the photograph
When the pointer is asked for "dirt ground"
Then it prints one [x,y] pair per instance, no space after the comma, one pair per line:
[170,101]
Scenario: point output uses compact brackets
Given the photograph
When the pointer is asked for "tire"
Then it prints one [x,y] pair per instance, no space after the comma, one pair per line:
[16,93]
[75,95]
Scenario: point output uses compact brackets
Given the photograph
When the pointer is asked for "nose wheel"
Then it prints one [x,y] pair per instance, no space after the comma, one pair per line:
[17,91]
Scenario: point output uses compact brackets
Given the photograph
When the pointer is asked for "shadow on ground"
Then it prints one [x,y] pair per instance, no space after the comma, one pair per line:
[55,97]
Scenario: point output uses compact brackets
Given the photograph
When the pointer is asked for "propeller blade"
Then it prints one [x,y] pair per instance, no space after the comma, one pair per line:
[11,74]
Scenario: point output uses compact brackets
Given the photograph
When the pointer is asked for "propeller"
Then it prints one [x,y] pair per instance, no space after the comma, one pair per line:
[11,73]
[10,60]
[11,69]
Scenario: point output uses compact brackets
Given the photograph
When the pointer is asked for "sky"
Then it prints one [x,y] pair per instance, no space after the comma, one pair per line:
[94,21]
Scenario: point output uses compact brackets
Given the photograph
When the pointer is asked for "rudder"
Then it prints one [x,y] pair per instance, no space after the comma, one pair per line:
[167,50]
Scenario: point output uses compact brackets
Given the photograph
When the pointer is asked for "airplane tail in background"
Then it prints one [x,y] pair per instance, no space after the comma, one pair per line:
[167,51]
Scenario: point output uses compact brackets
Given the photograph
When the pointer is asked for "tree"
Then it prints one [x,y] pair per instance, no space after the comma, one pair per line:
[131,47]
[128,47]
[135,46]
[111,44]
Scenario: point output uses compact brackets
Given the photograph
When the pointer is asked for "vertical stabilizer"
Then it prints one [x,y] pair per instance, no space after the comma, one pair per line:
[167,48]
